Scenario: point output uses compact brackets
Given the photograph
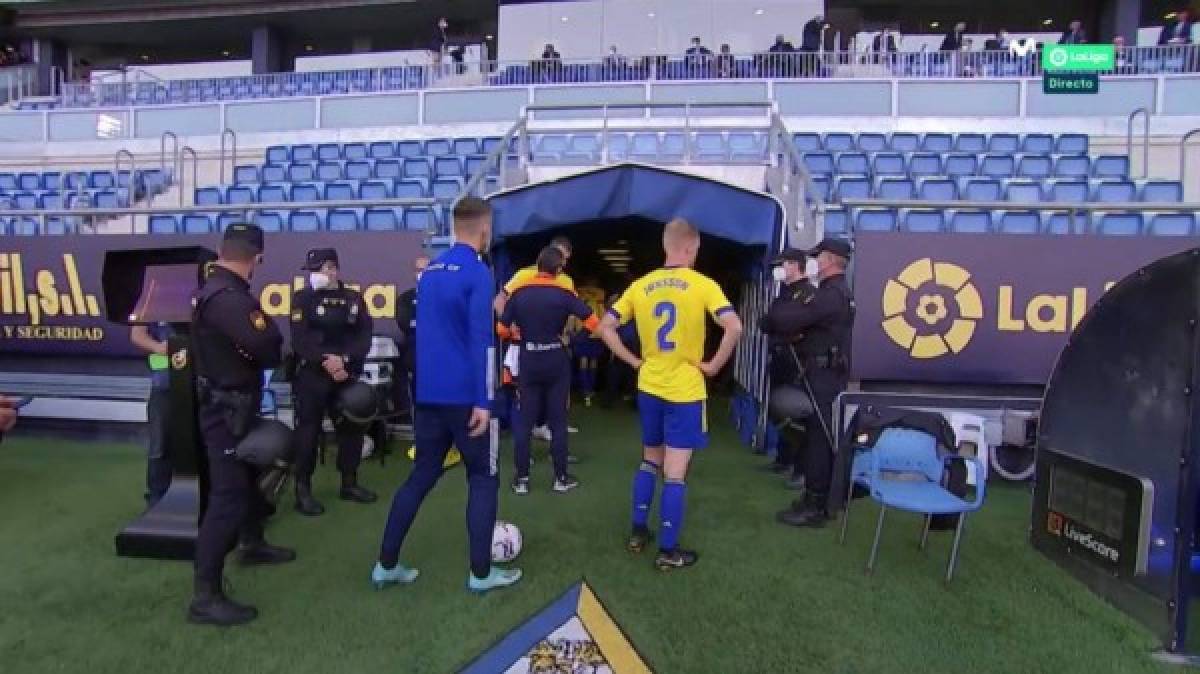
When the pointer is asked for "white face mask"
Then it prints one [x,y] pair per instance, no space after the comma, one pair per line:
[812,269]
[779,274]
[318,280]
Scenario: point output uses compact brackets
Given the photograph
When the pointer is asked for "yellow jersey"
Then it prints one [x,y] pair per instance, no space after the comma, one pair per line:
[525,275]
[670,305]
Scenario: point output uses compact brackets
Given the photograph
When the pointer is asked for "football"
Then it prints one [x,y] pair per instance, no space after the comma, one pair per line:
[506,542]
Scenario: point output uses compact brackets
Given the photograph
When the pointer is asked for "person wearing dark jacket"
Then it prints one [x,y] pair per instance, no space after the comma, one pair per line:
[331,336]
[1178,31]
[825,321]
[811,38]
[1074,34]
[789,270]
[406,320]
[954,39]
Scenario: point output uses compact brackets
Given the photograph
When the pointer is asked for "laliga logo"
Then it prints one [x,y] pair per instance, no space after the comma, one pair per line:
[933,332]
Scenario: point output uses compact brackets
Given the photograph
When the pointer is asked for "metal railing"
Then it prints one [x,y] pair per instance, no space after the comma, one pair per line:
[1183,148]
[1145,114]
[17,82]
[136,87]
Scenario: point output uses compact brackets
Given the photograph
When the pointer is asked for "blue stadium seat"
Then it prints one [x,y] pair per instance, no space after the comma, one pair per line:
[305,192]
[446,188]
[274,173]
[163,224]
[328,170]
[894,188]
[1162,191]
[245,175]
[1069,191]
[853,163]
[410,148]
[1110,166]
[960,164]
[387,169]
[381,220]
[359,170]
[819,162]
[26,226]
[1119,224]
[437,147]
[50,200]
[77,180]
[971,222]
[937,142]
[1023,191]
[239,194]
[448,167]
[974,143]
[1038,143]
[354,151]
[26,201]
[807,142]
[583,147]
[8,182]
[710,146]
[674,145]
[342,220]
[300,173]
[278,154]
[197,223]
[1072,143]
[982,190]
[375,189]
[822,186]
[1172,224]
[1059,222]
[272,194]
[1004,143]
[97,180]
[889,164]
[746,146]
[1073,166]
[269,221]
[304,221]
[474,165]
[851,187]
[937,189]
[410,189]
[875,220]
[925,164]
[997,166]
[839,142]
[836,221]
[417,168]
[465,146]
[1018,222]
[304,153]
[224,220]
[872,142]
[111,198]
[926,220]
[905,142]
[1035,166]
[420,218]
[381,149]
[618,146]
[1114,191]
[329,152]
[51,180]
[207,195]
[490,144]
[341,191]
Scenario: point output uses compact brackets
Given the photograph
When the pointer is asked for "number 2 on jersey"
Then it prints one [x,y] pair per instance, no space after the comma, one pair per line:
[664,331]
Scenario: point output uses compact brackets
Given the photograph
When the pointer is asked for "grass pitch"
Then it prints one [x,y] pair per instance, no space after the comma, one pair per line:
[764,598]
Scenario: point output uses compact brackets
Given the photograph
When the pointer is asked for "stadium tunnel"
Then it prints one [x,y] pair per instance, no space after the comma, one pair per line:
[614,217]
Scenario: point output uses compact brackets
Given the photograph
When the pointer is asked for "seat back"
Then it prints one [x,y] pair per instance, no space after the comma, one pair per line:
[907,451]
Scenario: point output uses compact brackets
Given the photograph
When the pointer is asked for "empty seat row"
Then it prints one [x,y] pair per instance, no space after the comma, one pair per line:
[965,164]
[977,143]
[361,169]
[383,149]
[30,226]
[443,188]
[417,218]
[838,221]
[704,145]
[992,189]
[152,179]
[55,200]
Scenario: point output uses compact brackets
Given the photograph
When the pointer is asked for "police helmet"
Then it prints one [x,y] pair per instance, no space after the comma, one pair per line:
[269,443]
[789,404]
[357,402]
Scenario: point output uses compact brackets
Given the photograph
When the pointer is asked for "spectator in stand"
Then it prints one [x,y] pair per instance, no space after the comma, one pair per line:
[1179,31]
[954,39]
[698,57]
[438,44]
[783,59]
[549,64]
[885,41]
[811,43]
[615,59]
[726,63]
[998,43]
[1124,57]
[1074,34]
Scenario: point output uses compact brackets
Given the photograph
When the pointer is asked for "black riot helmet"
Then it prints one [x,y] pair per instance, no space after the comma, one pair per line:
[789,405]
[268,444]
[357,402]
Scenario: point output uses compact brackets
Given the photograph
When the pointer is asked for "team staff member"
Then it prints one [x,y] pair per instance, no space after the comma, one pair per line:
[406,320]
[670,305]
[233,343]
[152,340]
[825,321]
[588,349]
[455,339]
[540,310]
[789,270]
[331,335]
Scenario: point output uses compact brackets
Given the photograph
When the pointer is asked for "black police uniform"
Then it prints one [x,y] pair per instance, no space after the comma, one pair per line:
[331,321]
[782,369]
[825,321]
[406,320]
[232,343]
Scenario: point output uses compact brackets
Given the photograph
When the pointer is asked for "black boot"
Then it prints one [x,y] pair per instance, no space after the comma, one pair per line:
[352,492]
[305,503]
[261,553]
[210,606]
[814,513]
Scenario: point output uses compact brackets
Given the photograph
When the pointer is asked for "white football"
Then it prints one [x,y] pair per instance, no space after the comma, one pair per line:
[368,447]
[506,542]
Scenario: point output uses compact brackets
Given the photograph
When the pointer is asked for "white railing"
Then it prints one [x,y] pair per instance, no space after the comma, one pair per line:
[17,82]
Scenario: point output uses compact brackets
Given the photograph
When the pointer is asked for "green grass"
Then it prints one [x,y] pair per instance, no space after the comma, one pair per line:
[764,598]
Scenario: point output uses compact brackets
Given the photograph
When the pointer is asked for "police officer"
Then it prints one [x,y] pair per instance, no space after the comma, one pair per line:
[540,310]
[789,269]
[824,322]
[331,336]
[406,320]
[233,342]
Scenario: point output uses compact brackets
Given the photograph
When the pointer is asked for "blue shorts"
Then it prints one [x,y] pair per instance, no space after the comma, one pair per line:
[588,347]
[676,425]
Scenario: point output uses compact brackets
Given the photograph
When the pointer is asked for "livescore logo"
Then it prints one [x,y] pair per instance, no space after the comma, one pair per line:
[47,298]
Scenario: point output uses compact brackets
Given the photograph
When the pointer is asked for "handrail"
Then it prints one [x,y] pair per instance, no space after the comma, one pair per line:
[497,157]
[232,135]
[162,151]
[186,150]
[132,171]
[1145,139]
[1183,156]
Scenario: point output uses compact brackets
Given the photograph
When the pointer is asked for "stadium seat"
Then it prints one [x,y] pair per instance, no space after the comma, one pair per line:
[410,189]
[1172,224]
[674,146]
[836,221]
[278,154]
[1119,224]
[1114,191]
[300,173]
[853,163]
[644,146]
[360,170]
[375,189]
[709,146]
[1110,166]
[491,144]
[819,162]
[8,182]
[163,224]
[224,220]
[872,142]
[341,191]
[417,168]
[894,188]
[1019,222]
[937,189]
[446,188]
[981,189]
[961,165]
[926,220]
[925,164]
[1073,166]
[381,149]
[437,147]
[974,143]
[448,167]
[342,220]
[28,201]
[971,222]
[465,146]
[1038,143]
[822,186]
[26,226]
[304,153]
[1059,222]
[51,180]
[905,142]
[745,146]
[305,192]
[420,218]
[582,147]
[197,223]
[1023,191]
[997,166]
[839,142]
[245,175]
[550,147]
[807,142]
[240,194]
[1162,191]
[381,220]
[207,195]
[1068,191]
[1035,166]
[387,169]
[474,165]
[329,171]
[50,200]
[875,220]
[274,173]
[851,187]
[355,151]
[329,152]
[269,221]
[937,142]
[889,164]
[97,180]
[304,221]
[1072,144]
[272,194]
[409,148]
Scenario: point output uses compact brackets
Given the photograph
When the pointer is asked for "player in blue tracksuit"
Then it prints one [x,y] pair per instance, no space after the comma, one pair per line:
[453,407]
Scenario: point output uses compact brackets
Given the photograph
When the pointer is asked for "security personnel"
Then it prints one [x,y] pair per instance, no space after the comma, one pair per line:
[331,336]
[406,320]
[233,342]
[789,270]
[540,310]
[825,322]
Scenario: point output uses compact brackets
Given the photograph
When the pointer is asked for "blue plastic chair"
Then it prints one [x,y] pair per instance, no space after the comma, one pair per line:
[905,471]
[270,403]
